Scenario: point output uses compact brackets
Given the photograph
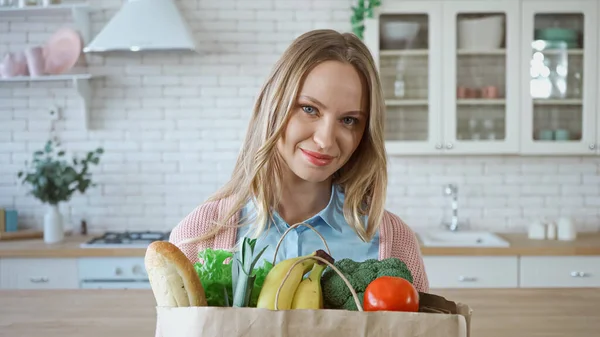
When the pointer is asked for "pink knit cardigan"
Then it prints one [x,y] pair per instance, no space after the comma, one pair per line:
[396,238]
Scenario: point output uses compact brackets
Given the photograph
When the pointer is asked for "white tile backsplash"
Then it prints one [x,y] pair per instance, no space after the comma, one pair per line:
[172,123]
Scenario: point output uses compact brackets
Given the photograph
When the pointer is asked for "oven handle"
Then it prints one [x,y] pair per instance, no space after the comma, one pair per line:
[115,280]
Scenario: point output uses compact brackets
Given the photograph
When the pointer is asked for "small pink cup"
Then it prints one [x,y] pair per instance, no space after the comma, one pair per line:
[13,64]
[35,61]
[489,92]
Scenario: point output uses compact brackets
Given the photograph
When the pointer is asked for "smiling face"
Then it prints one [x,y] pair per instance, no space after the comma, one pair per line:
[326,123]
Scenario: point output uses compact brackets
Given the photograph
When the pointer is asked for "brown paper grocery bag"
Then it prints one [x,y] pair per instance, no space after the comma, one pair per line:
[253,322]
[258,322]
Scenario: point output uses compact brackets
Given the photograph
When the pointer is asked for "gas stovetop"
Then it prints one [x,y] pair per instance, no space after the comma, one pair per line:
[126,239]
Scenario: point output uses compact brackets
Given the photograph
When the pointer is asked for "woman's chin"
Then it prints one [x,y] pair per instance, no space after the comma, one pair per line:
[312,176]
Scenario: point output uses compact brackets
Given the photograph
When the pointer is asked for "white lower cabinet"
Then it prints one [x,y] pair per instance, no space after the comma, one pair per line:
[559,271]
[472,271]
[442,271]
[38,273]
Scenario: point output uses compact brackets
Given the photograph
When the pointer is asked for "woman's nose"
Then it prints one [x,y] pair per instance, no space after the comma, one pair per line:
[324,134]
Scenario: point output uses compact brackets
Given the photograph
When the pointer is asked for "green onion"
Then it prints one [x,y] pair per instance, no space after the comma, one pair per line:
[243,268]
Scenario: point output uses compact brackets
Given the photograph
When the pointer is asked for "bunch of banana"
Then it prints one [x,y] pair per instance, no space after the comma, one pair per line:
[297,292]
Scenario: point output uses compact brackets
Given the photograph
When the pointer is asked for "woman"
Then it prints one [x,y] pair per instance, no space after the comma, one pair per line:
[313,153]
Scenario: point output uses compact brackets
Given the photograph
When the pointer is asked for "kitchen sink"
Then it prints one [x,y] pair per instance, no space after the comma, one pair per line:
[446,238]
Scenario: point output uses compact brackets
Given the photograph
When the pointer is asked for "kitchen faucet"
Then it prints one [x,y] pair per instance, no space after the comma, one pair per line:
[452,191]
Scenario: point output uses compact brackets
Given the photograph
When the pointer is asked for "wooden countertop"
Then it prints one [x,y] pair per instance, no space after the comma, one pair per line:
[131,313]
[586,244]
[70,247]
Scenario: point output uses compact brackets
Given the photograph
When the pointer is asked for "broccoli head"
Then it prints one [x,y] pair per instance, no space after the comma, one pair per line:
[336,294]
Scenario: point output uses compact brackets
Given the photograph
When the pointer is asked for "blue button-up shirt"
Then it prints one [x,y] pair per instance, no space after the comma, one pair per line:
[329,222]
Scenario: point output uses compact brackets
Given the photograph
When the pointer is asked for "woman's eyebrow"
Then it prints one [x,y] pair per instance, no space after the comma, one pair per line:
[314,100]
[317,102]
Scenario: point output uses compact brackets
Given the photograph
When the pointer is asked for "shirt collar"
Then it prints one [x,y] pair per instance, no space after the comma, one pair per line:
[335,207]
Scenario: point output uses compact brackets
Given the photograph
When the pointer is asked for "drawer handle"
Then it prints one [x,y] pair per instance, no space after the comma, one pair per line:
[38,279]
[467,279]
[579,274]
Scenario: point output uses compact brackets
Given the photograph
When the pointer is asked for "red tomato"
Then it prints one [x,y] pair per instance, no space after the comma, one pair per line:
[388,293]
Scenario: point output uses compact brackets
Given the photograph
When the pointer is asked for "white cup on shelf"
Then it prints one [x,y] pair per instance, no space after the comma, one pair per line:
[537,230]
[566,230]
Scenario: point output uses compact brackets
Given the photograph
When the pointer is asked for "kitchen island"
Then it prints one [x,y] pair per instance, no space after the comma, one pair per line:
[130,313]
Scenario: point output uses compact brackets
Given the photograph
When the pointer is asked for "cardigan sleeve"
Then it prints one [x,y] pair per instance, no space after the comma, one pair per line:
[199,222]
[405,246]
[195,224]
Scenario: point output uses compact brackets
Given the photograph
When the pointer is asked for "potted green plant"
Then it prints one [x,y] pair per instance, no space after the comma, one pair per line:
[363,9]
[54,179]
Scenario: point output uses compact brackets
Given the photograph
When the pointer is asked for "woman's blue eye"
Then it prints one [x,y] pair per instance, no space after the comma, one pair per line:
[349,120]
[308,109]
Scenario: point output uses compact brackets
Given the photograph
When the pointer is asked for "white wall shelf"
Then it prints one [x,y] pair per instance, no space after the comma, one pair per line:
[80,84]
[79,12]
[47,78]
[81,19]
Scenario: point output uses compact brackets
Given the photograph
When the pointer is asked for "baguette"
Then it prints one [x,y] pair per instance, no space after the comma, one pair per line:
[172,276]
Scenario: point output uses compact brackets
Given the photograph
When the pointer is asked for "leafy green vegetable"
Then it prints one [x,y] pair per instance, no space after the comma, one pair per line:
[215,276]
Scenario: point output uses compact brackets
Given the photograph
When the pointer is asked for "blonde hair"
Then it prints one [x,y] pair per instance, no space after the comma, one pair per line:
[257,174]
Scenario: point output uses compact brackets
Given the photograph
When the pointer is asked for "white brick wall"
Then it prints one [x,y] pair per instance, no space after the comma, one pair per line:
[171,125]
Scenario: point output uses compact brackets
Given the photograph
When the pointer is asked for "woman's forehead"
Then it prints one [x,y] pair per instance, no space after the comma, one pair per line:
[335,85]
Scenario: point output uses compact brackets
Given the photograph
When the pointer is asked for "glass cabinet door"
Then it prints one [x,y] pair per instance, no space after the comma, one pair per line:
[405,41]
[559,73]
[481,63]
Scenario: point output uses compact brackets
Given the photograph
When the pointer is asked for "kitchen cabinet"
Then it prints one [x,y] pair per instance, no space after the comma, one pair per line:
[38,273]
[559,271]
[485,77]
[113,273]
[472,271]
[560,82]
[479,272]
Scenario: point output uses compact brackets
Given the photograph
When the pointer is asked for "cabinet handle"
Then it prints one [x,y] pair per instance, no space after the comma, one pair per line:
[467,279]
[449,146]
[592,146]
[579,274]
[38,280]
[438,146]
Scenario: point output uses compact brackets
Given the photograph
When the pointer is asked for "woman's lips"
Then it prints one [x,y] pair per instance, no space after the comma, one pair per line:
[316,158]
